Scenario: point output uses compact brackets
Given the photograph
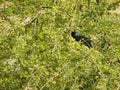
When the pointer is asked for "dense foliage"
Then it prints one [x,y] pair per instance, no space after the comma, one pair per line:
[37,51]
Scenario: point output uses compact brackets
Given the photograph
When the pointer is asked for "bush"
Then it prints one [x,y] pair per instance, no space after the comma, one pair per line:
[37,51]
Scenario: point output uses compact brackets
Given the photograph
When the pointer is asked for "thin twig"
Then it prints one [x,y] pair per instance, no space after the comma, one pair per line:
[42,11]
[59,72]
[35,17]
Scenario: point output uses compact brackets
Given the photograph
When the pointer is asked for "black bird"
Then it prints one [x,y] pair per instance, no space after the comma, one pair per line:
[78,37]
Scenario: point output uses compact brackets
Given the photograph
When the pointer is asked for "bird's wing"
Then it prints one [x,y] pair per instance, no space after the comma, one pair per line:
[78,37]
[87,42]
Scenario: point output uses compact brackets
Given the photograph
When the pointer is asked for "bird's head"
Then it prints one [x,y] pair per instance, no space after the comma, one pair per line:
[73,33]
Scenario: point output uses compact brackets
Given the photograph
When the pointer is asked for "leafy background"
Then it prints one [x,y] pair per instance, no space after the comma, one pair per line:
[37,51]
